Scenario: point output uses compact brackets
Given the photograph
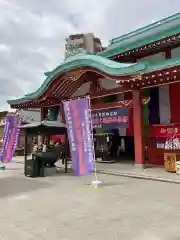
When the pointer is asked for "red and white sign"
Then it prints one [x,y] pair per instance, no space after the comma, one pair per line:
[167,131]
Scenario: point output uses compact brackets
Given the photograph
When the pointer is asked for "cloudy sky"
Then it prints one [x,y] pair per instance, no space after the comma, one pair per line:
[32,33]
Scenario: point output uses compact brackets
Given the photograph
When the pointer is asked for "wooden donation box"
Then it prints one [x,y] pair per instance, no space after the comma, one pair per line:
[164,145]
[170,160]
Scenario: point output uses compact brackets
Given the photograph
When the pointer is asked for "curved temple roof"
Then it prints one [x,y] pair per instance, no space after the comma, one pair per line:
[84,60]
[153,32]
[103,65]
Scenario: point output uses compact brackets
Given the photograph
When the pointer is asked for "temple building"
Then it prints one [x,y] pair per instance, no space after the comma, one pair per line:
[139,71]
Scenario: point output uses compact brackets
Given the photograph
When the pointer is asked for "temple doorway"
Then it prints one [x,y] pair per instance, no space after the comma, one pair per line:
[126,152]
[110,144]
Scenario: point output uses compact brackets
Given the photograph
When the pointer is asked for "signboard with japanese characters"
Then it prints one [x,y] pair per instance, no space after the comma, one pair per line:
[167,131]
[111,118]
[79,133]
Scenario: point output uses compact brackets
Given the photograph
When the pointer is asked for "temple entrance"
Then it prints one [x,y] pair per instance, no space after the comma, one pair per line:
[112,147]
[125,152]
[122,148]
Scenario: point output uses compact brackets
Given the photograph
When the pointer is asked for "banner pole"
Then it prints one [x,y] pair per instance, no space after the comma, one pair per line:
[97,183]
[94,158]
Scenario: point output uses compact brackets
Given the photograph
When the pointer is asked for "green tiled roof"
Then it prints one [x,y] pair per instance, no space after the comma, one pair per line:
[151,33]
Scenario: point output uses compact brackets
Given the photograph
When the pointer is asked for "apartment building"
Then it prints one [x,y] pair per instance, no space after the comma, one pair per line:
[87,41]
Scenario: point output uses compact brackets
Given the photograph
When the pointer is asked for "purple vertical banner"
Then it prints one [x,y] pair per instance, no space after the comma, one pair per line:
[18,121]
[11,135]
[79,133]
[7,130]
[5,136]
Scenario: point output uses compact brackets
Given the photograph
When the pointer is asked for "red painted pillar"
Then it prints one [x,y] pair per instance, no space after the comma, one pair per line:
[138,128]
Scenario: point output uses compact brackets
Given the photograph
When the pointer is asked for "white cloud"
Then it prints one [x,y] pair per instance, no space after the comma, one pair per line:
[33,33]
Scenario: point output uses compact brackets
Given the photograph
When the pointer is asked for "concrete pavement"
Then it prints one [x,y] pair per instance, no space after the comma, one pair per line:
[155,173]
[65,207]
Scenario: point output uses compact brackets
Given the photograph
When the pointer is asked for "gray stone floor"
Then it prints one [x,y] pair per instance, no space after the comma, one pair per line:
[66,207]
[126,168]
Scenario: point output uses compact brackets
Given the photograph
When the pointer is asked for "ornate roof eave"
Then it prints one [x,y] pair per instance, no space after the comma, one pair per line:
[55,102]
[99,63]
[123,103]
[165,72]
[136,73]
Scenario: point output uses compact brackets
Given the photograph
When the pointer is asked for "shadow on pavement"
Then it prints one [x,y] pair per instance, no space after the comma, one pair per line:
[60,172]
